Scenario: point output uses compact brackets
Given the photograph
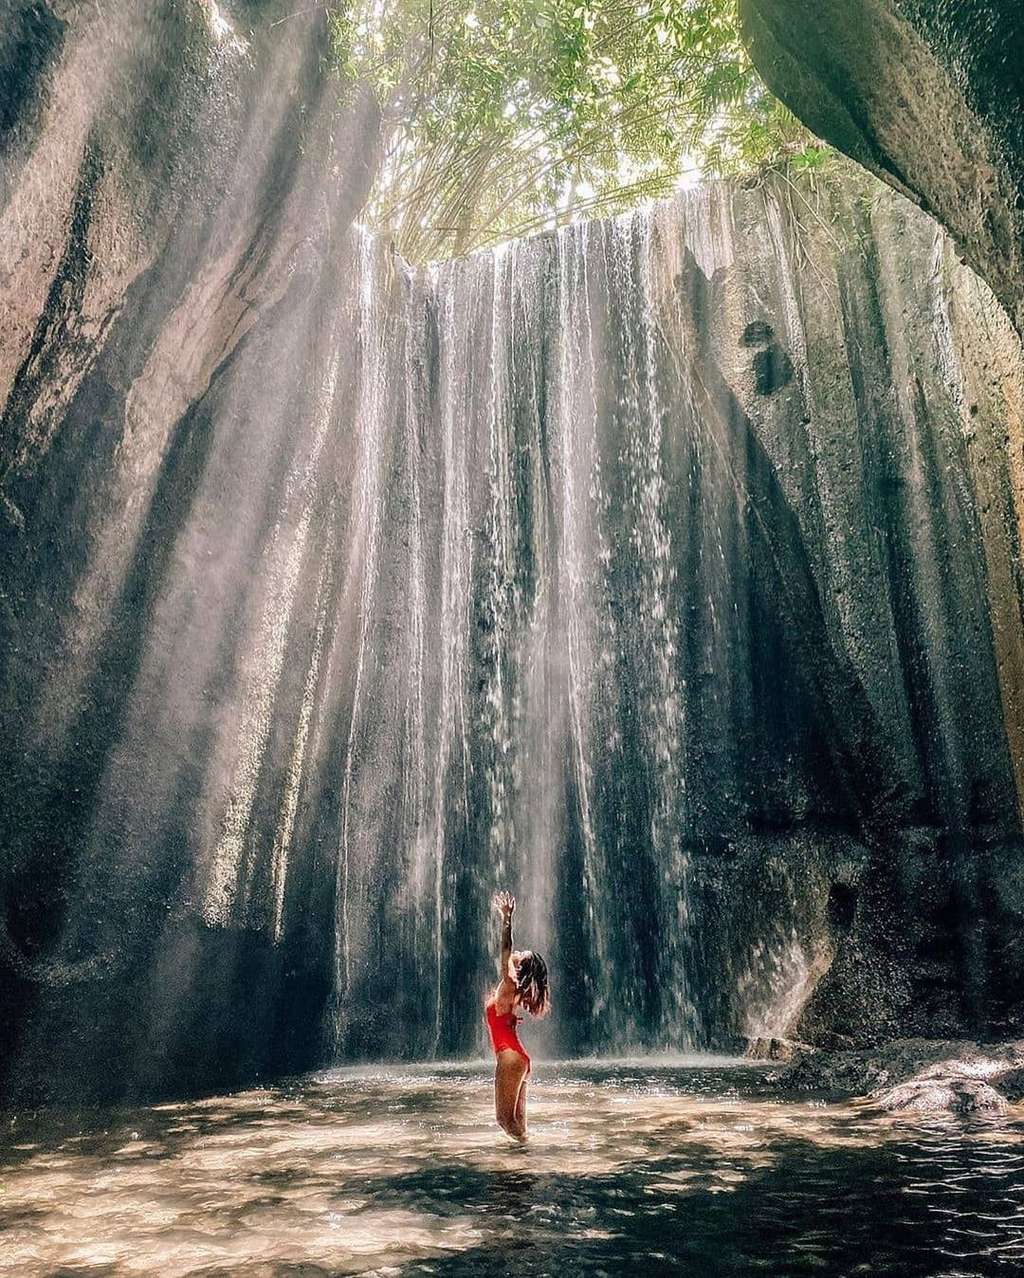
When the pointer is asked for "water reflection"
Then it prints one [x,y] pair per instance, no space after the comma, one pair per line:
[397,1170]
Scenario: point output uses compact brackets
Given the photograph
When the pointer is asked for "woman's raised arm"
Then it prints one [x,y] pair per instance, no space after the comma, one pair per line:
[505,903]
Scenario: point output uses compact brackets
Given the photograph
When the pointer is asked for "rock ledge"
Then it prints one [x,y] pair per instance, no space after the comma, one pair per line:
[915,1075]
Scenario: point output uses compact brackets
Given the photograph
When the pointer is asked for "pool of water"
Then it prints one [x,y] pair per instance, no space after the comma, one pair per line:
[645,1167]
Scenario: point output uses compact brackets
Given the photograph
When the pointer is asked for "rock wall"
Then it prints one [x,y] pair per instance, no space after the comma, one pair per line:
[666,570]
[927,95]
[177,180]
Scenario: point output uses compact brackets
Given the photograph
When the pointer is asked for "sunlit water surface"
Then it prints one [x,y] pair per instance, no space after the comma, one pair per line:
[641,1166]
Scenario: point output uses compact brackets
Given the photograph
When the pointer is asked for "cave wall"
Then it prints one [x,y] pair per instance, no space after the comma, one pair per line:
[926,94]
[930,98]
[666,570]
[176,183]
[923,402]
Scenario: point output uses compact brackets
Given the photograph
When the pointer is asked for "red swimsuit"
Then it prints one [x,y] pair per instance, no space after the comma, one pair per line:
[503,1031]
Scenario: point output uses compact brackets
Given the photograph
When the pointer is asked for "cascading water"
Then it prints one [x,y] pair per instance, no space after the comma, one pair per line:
[650,569]
[643,647]
[553,662]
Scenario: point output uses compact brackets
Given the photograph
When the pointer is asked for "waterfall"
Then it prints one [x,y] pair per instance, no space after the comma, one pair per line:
[593,641]
[663,570]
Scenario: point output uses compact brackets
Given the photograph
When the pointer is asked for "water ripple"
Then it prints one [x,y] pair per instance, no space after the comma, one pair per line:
[669,1166]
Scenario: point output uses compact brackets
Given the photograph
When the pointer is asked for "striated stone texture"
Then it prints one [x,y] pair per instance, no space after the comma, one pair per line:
[176,182]
[666,571]
[928,95]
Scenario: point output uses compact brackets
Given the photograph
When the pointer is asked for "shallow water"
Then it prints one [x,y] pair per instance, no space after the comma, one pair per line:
[638,1166]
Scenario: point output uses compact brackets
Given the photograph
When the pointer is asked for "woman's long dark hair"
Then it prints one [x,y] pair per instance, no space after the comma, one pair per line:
[532,984]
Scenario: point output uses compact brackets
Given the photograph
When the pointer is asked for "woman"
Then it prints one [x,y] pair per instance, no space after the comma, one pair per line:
[523,983]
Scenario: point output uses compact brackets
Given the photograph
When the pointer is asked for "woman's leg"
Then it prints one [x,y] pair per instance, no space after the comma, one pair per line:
[521,1105]
[508,1081]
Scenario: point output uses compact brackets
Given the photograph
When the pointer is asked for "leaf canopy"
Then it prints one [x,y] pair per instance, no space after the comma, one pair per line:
[502,117]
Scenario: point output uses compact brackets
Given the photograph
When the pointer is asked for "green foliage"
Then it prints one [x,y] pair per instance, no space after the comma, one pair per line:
[504,116]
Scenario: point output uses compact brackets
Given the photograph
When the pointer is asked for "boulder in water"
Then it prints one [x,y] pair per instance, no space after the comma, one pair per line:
[955,1095]
[776,1049]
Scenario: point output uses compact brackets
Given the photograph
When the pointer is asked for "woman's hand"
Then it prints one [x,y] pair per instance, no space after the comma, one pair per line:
[505,904]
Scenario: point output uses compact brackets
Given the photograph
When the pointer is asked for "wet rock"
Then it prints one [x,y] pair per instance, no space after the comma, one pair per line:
[952,1095]
[168,173]
[776,1049]
[1011,1085]
[281,642]
[929,97]
[916,1074]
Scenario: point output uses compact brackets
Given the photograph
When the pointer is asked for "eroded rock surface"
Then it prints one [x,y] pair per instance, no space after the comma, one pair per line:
[666,568]
[916,1075]
[176,182]
[951,1094]
[929,96]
